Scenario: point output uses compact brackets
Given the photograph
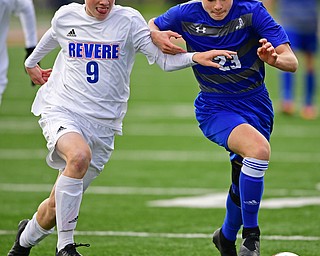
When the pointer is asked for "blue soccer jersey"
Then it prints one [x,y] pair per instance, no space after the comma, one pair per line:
[239,31]
[235,93]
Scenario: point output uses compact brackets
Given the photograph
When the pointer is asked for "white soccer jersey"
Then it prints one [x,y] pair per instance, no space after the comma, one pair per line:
[91,74]
[25,10]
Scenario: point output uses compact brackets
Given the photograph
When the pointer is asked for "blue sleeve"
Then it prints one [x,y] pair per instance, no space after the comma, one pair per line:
[170,20]
[266,27]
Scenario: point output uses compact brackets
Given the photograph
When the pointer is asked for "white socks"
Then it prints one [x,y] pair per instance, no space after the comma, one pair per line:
[33,233]
[68,199]
[68,195]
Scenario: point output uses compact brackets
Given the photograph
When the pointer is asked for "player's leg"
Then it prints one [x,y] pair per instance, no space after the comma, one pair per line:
[217,128]
[248,142]
[72,148]
[309,110]
[287,93]
[98,147]
[3,70]
[31,232]
[233,218]
[5,14]
[225,238]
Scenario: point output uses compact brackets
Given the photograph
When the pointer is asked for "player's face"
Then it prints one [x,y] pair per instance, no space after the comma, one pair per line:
[99,8]
[217,9]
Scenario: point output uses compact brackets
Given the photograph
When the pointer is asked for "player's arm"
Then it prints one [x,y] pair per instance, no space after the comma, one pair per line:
[206,58]
[162,39]
[168,62]
[281,57]
[45,45]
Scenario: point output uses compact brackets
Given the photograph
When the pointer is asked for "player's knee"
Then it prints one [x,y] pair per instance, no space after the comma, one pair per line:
[79,161]
[264,153]
[261,151]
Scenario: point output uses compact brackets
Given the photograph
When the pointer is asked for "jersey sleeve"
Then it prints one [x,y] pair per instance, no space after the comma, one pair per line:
[169,20]
[25,11]
[266,27]
[45,45]
[143,43]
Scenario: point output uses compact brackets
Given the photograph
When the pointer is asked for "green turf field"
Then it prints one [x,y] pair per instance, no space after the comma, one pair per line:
[162,157]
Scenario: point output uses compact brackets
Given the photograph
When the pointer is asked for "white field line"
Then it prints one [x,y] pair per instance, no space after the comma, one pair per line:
[217,200]
[30,126]
[10,187]
[171,235]
[168,155]
[13,187]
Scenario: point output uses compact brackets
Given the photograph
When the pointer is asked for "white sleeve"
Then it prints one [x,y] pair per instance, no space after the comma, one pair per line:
[142,42]
[45,45]
[27,18]
[167,62]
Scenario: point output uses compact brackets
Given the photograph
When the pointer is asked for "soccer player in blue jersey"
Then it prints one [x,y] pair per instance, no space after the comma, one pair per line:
[293,16]
[233,107]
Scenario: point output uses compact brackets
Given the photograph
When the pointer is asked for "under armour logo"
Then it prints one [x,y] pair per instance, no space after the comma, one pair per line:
[202,30]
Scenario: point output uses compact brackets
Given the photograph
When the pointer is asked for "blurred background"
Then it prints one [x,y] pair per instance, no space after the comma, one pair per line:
[55,4]
[45,10]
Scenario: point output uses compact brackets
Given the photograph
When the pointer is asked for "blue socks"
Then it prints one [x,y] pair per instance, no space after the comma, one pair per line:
[233,220]
[288,88]
[250,191]
[310,88]
[287,92]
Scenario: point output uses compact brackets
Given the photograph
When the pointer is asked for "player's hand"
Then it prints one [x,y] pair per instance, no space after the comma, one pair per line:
[267,53]
[206,58]
[38,75]
[162,39]
[28,53]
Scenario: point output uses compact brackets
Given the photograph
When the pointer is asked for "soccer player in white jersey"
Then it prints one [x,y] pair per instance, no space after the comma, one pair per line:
[25,10]
[82,103]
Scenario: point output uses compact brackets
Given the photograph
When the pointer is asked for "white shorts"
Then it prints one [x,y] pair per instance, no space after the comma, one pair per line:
[100,139]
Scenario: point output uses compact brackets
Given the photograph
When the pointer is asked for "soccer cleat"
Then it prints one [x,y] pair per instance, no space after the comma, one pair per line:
[287,108]
[309,112]
[250,246]
[225,247]
[70,250]
[17,249]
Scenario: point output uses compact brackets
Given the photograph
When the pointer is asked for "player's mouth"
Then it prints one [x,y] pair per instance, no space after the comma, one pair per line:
[218,15]
[102,10]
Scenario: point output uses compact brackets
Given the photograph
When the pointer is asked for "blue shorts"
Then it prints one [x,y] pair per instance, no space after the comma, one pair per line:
[303,42]
[218,116]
